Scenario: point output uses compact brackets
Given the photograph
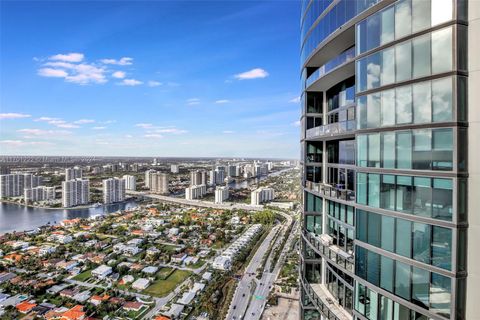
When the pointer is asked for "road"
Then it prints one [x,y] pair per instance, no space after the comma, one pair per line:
[247,283]
[196,203]
[259,300]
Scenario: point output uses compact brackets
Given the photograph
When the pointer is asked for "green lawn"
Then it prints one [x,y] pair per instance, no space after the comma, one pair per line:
[197,265]
[161,288]
[164,273]
[83,276]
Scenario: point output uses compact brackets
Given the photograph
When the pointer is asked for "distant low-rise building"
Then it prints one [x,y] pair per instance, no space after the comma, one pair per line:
[141,284]
[102,271]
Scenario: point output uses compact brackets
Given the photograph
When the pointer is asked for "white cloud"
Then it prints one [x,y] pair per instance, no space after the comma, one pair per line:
[109,121]
[58,122]
[124,61]
[154,83]
[223,101]
[21,143]
[153,135]
[128,136]
[84,121]
[252,74]
[39,132]
[14,115]
[69,57]
[193,101]
[171,130]
[228,132]
[296,123]
[119,74]
[86,73]
[99,128]
[54,73]
[144,125]
[130,82]
[295,100]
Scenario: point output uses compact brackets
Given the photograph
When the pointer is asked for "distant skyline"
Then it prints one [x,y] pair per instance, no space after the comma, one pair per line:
[150,78]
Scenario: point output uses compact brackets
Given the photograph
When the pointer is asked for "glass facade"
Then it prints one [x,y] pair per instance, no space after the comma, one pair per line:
[384,159]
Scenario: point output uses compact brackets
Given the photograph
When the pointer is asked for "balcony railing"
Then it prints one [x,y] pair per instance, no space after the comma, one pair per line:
[331,252]
[322,301]
[335,192]
[332,129]
[342,58]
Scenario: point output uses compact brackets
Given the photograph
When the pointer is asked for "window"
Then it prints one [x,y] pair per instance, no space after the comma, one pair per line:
[442,154]
[403,104]
[422,149]
[361,262]
[362,188]
[373,69]
[388,233]
[442,247]
[388,150]
[374,31]
[386,274]
[442,47]
[373,269]
[421,242]
[421,56]
[374,229]
[403,238]
[387,108]
[373,112]
[388,187]
[402,280]
[388,25]
[440,295]
[403,61]
[404,194]
[374,190]
[404,150]
[374,150]
[387,75]
[422,105]
[420,15]
[422,202]
[442,11]
[386,308]
[362,225]
[442,100]
[402,19]
[420,287]
[442,203]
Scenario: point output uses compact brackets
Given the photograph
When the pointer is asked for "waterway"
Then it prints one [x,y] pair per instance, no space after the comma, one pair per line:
[14,217]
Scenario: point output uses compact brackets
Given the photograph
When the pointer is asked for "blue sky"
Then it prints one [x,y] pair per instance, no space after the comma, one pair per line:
[150,78]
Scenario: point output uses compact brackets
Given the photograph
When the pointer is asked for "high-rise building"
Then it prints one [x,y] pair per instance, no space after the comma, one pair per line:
[148,177]
[75,192]
[198,177]
[113,190]
[73,173]
[130,182]
[233,171]
[388,192]
[217,177]
[221,194]
[14,184]
[40,193]
[262,195]
[175,168]
[159,183]
[195,192]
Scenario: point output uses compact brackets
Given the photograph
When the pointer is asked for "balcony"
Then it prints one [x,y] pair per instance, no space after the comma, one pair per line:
[331,252]
[339,60]
[324,302]
[333,192]
[331,130]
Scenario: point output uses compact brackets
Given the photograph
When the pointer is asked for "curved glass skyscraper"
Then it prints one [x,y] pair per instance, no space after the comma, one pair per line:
[390,119]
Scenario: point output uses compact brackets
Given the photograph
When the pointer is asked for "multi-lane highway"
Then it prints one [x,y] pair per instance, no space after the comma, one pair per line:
[251,295]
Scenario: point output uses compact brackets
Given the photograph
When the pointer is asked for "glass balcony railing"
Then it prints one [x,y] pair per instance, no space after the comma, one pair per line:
[336,192]
[331,252]
[323,302]
[332,129]
[342,58]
